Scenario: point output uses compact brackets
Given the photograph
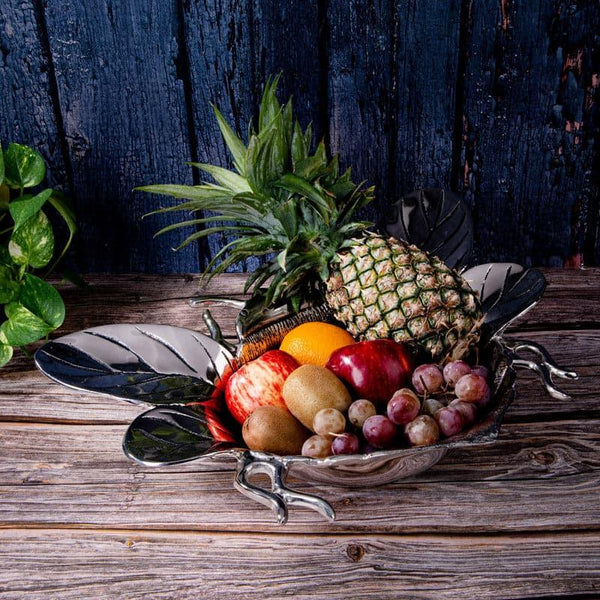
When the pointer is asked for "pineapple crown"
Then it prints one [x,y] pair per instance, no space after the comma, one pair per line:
[280,202]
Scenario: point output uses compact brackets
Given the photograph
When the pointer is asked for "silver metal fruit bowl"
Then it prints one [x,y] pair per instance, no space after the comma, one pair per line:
[179,373]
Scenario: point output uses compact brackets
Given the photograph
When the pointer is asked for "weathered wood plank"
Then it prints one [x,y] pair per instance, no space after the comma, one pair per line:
[361,89]
[285,40]
[131,564]
[218,41]
[125,120]
[529,128]
[59,454]
[26,103]
[426,65]
[542,476]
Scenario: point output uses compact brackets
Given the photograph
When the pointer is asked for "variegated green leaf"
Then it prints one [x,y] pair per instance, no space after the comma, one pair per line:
[9,288]
[42,300]
[23,327]
[6,353]
[33,243]
[23,166]
[25,207]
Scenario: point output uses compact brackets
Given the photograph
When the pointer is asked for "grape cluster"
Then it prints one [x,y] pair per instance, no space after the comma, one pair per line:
[443,402]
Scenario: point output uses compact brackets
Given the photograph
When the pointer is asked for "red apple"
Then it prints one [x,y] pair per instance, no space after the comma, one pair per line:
[373,369]
[259,383]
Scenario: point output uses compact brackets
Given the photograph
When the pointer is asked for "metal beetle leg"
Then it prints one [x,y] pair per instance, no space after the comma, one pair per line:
[279,496]
[544,366]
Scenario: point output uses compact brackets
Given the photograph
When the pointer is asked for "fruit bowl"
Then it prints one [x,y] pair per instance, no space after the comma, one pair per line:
[180,374]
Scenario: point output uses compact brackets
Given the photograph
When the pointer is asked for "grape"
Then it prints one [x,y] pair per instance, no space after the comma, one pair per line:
[347,443]
[427,379]
[329,421]
[471,388]
[454,370]
[486,398]
[403,407]
[466,409]
[481,370]
[422,431]
[317,446]
[449,420]
[359,411]
[379,431]
[431,406]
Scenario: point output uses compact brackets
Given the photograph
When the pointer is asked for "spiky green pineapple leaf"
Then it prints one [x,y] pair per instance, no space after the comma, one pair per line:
[224,177]
[234,143]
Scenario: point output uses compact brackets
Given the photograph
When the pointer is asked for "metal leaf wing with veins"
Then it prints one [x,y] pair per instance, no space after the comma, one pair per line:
[435,220]
[178,369]
[147,364]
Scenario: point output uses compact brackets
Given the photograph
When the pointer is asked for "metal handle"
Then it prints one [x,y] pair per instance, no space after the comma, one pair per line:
[544,366]
[279,496]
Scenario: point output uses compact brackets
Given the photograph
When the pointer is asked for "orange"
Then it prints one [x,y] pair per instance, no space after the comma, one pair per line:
[313,343]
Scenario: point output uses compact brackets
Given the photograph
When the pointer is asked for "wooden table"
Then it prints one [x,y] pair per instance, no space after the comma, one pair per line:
[516,519]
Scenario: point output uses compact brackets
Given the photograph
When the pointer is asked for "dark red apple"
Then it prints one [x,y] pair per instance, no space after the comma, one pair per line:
[373,369]
[259,383]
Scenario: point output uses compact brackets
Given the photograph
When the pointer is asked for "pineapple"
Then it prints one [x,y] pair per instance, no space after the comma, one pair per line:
[297,210]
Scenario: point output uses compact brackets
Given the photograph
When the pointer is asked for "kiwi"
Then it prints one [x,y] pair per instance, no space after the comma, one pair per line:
[274,429]
[309,389]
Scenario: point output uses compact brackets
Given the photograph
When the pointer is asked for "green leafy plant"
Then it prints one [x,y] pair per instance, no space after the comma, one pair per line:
[32,307]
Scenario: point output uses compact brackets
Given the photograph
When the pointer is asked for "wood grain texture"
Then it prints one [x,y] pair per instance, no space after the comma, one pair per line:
[130,564]
[426,74]
[28,109]
[218,41]
[530,128]
[361,90]
[542,477]
[125,120]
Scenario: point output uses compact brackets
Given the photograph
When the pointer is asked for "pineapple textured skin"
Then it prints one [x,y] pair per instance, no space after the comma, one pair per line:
[385,288]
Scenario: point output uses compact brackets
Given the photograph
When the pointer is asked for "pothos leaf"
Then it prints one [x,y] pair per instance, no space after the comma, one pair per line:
[62,206]
[43,300]
[27,206]
[23,166]
[9,288]
[6,353]
[33,243]
[23,327]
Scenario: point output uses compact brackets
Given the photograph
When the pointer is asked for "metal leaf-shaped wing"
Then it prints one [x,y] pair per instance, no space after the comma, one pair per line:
[143,364]
[435,220]
[174,434]
[507,291]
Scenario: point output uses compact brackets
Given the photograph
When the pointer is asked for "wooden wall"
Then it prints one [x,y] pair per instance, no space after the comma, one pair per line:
[497,99]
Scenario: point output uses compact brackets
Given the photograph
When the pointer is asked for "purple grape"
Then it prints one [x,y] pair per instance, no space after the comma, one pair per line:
[471,388]
[454,370]
[481,370]
[486,398]
[449,420]
[379,431]
[359,411]
[427,379]
[403,407]
[317,446]
[468,410]
[422,431]
[431,406]
[347,443]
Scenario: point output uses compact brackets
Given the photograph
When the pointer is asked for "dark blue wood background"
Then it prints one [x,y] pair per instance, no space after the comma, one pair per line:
[496,99]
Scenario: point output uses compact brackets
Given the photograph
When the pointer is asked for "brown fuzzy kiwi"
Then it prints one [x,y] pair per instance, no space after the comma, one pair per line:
[274,429]
[309,389]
